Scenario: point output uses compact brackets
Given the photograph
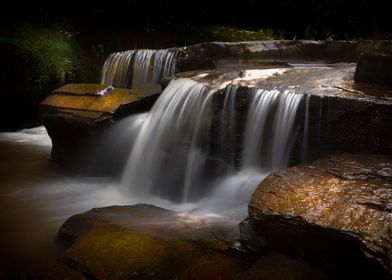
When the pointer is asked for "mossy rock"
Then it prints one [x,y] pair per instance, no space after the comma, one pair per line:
[147,242]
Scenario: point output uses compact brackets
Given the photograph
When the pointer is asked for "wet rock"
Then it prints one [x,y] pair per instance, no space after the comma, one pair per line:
[147,242]
[374,69]
[336,211]
[222,54]
[76,114]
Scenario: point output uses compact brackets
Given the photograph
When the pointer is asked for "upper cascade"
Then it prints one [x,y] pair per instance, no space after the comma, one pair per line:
[129,69]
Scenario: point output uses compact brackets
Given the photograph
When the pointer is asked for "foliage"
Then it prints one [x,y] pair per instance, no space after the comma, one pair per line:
[51,54]
[232,34]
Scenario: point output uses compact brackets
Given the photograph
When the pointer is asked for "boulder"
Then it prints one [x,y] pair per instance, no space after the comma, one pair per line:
[336,211]
[76,114]
[147,242]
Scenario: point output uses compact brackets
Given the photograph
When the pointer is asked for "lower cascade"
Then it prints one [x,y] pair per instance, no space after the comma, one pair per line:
[269,131]
[172,157]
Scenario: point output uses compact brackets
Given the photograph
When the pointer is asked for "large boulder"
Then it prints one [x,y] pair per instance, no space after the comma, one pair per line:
[76,114]
[336,211]
[147,242]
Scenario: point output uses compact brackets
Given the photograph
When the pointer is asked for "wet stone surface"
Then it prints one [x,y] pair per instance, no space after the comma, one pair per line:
[146,242]
[336,210]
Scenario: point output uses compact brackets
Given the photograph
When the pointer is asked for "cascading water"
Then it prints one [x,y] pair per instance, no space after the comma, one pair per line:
[267,146]
[269,130]
[138,67]
[117,69]
[169,152]
[172,148]
[151,66]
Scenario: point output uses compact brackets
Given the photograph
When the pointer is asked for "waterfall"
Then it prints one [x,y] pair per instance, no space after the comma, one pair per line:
[169,152]
[138,67]
[172,157]
[268,137]
[269,129]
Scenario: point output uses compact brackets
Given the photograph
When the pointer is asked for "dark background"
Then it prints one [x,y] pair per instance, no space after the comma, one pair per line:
[343,19]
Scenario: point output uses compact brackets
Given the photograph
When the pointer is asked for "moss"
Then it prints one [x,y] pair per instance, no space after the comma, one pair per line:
[118,250]
[117,254]
[84,99]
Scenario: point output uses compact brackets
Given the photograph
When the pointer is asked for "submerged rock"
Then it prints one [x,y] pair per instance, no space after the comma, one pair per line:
[336,211]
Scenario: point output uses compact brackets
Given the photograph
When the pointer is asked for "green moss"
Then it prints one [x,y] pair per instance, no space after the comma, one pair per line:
[119,250]
[114,253]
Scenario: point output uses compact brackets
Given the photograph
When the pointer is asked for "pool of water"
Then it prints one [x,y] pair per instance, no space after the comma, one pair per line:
[37,196]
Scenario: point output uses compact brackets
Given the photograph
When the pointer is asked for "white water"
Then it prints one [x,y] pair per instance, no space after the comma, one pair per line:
[269,131]
[117,69]
[169,150]
[137,67]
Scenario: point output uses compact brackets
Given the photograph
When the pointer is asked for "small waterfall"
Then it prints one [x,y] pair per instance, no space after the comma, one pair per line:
[269,129]
[138,67]
[268,139]
[116,69]
[169,153]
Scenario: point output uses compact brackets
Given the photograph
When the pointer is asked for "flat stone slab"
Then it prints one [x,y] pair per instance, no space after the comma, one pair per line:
[86,97]
[336,210]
